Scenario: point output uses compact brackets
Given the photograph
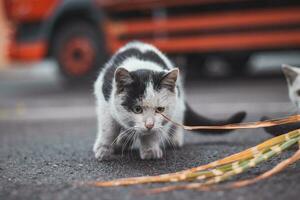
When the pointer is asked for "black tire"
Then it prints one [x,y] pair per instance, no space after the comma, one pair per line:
[79,51]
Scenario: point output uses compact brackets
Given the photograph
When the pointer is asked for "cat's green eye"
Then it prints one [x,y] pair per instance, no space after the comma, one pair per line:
[160,109]
[137,109]
[298,92]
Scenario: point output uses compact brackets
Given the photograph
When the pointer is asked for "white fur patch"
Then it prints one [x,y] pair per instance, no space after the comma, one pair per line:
[143,47]
[133,64]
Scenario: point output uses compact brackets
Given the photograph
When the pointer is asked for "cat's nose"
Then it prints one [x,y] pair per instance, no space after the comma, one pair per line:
[149,123]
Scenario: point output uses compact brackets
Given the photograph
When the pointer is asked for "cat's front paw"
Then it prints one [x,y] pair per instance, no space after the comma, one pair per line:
[103,152]
[151,153]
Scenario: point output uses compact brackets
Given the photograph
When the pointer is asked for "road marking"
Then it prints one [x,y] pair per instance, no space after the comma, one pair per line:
[48,113]
[88,111]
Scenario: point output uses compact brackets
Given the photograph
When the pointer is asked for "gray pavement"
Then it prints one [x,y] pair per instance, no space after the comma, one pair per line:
[47,131]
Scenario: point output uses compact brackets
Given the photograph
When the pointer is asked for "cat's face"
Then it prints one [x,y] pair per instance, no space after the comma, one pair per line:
[293,79]
[141,95]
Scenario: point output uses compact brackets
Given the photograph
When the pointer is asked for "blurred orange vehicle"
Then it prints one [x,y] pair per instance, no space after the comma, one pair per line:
[80,34]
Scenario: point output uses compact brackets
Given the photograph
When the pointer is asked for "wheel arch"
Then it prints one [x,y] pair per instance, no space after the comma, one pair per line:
[69,11]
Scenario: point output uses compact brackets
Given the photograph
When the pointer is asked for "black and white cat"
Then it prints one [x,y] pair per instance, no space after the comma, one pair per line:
[292,75]
[137,84]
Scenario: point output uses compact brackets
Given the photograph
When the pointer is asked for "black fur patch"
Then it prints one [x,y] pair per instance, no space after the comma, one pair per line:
[136,90]
[118,59]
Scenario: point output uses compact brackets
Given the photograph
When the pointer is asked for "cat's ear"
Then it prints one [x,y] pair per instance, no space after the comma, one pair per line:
[290,73]
[122,78]
[169,79]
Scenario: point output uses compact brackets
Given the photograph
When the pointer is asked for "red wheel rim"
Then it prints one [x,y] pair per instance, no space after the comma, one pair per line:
[77,56]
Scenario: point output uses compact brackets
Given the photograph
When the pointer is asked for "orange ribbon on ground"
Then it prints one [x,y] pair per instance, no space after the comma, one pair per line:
[248,125]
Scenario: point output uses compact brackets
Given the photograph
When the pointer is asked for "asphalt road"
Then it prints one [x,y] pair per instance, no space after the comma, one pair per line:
[47,132]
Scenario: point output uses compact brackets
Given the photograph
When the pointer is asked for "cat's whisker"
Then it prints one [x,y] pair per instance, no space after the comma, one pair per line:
[130,143]
[121,135]
[124,144]
[127,140]
[163,143]
[166,138]
[126,134]
[134,138]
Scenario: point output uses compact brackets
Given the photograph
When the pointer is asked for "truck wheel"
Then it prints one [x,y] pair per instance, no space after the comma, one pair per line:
[79,51]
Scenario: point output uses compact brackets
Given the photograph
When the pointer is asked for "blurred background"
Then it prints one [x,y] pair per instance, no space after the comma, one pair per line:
[213,38]
[230,52]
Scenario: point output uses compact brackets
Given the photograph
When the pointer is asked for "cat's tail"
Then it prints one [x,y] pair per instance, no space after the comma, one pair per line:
[194,119]
[281,129]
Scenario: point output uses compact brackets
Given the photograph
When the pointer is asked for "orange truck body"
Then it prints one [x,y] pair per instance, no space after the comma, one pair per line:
[261,27]
[27,11]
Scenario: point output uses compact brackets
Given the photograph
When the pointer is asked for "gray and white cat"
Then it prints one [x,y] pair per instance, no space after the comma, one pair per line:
[293,80]
[135,85]
[292,75]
